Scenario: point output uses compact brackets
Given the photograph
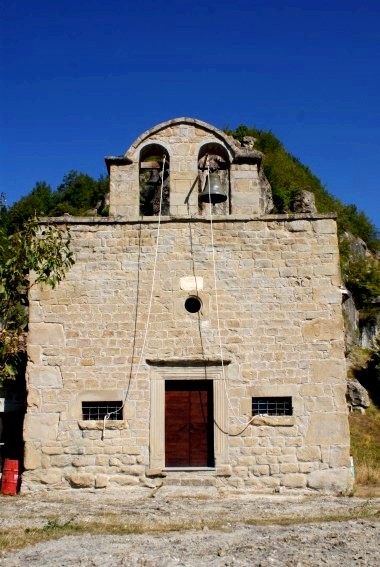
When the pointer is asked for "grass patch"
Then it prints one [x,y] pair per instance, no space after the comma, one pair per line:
[16,538]
[361,514]
[365,447]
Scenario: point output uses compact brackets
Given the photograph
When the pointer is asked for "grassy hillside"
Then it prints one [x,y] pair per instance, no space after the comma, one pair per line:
[287,176]
[365,446]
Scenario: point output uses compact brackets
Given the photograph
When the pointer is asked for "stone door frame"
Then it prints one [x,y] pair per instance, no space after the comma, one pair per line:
[159,373]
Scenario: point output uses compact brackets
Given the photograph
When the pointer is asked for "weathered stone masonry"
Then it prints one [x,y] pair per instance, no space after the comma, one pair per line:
[280,324]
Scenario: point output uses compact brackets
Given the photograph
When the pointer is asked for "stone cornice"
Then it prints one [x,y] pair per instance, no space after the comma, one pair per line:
[188,362]
[116,160]
[71,220]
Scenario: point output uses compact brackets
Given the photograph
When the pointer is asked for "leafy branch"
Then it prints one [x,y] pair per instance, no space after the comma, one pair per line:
[32,255]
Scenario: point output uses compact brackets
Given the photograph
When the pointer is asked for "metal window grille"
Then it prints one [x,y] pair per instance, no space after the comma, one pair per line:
[272,406]
[99,410]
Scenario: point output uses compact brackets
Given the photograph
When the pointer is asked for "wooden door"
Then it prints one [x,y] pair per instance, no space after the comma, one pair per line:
[189,423]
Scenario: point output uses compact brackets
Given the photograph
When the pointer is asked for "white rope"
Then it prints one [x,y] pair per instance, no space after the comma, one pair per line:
[154,269]
[107,416]
[217,305]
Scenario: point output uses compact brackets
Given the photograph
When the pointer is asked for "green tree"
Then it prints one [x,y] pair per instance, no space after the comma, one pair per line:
[37,203]
[78,193]
[362,278]
[31,256]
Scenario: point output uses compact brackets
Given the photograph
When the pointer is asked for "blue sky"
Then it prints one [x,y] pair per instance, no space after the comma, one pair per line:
[81,80]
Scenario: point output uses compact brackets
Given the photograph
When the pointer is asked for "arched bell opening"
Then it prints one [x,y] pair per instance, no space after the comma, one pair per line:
[154,167]
[214,178]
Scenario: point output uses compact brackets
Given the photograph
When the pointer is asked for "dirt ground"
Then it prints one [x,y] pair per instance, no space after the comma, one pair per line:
[176,530]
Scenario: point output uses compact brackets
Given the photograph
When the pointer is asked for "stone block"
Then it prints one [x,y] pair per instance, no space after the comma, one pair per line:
[324,226]
[298,226]
[329,371]
[339,480]
[339,456]
[289,468]
[34,354]
[124,480]
[308,453]
[295,480]
[260,470]
[51,476]
[326,270]
[41,426]
[224,470]
[241,471]
[306,467]
[83,461]
[94,435]
[247,460]
[266,459]
[155,473]
[137,470]
[52,450]
[327,429]
[81,480]
[60,460]
[320,403]
[43,377]
[101,481]
[269,481]
[32,456]
[312,389]
[112,449]
[322,330]
[131,459]
[46,334]
[34,398]
[101,460]
[45,461]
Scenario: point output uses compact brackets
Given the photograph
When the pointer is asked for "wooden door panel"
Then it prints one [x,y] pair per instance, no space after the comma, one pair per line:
[198,429]
[177,429]
[188,424]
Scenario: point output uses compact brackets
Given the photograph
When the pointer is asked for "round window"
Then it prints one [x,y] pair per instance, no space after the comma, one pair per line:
[193,304]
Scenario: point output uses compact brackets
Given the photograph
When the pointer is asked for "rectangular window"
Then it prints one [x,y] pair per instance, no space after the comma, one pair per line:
[99,410]
[272,406]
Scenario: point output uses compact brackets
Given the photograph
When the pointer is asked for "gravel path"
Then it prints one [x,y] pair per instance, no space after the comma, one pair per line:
[250,530]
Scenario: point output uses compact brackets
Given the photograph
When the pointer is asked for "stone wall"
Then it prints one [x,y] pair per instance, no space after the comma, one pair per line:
[281,328]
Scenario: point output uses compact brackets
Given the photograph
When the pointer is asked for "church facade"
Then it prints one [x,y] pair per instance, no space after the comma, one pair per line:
[198,340]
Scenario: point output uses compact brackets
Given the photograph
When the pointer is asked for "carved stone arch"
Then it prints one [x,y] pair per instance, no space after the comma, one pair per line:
[157,130]
[154,169]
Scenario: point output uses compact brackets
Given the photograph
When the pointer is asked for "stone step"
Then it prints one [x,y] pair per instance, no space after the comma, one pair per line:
[176,491]
[189,481]
[190,478]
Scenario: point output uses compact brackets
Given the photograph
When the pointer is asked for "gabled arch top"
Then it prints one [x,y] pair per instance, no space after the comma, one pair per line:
[176,122]
[232,145]
[239,153]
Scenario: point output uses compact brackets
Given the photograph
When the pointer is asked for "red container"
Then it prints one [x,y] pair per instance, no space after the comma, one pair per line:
[10,478]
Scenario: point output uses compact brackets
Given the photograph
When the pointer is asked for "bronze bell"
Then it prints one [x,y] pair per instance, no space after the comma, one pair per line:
[213,192]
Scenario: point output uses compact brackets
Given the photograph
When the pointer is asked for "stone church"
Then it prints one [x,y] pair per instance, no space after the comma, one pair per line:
[198,340]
